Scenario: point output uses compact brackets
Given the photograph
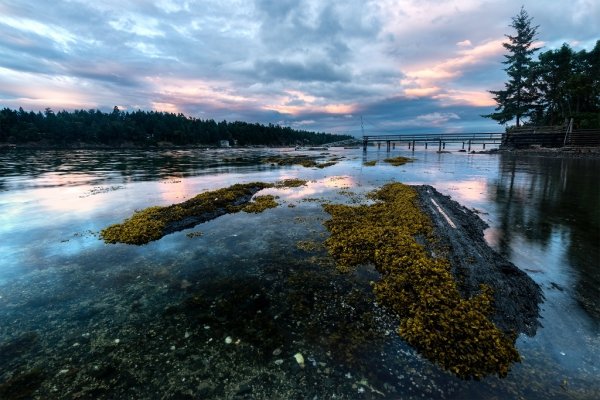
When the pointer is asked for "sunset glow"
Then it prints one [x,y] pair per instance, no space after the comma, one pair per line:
[310,64]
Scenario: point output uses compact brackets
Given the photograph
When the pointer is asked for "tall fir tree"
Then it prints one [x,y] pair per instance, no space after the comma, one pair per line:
[518,100]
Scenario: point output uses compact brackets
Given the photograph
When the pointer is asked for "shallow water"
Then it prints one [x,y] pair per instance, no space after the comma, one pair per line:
[83,319]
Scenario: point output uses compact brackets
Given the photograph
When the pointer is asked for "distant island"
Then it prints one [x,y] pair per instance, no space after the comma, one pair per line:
[94,128]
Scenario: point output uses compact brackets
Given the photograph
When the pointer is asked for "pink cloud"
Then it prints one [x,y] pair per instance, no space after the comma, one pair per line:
[436,79]
[477,98]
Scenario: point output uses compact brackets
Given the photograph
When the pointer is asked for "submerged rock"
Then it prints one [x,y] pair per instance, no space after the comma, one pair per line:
[398,161]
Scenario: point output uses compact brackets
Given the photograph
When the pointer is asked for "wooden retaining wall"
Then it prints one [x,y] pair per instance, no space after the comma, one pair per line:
[551,137]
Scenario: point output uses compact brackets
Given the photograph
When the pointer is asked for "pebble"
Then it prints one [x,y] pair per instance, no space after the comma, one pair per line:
[172,348]
[278,362]
[299,359]
[277,352]
[117,341]
[186,335]
[228,340]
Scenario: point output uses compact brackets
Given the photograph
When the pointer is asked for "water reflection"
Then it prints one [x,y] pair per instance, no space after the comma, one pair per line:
[553,202]
[65,168]
[246,278]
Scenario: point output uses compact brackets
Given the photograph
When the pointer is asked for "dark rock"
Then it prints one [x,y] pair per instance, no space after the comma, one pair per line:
[516,296]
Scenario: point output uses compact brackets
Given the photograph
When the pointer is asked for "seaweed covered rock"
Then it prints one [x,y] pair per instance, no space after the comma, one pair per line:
[396,236]
[398,161]
[516,297]
[303,160]
[260,204]
[155,222]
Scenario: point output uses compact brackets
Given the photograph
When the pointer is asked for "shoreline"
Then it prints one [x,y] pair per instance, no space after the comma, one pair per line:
[578,152]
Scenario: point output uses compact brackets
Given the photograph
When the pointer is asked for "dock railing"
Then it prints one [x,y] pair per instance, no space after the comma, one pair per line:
[523,137]
[467,139]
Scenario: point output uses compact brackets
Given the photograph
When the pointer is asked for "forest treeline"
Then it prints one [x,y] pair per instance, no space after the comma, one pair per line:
[561,84]
[567,85]
[142,128]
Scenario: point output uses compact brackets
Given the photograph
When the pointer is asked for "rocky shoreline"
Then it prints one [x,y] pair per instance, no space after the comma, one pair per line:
[459,232]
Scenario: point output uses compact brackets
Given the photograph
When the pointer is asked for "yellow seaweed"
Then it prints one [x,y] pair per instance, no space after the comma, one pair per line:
[260,204]
[434,318]
[152,223]
[397,161]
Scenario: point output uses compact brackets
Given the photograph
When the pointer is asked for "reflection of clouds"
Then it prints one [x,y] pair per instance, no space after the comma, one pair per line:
[177,190]
[67,199]
[493,236]
[58,179]
[469,191]
[321,186]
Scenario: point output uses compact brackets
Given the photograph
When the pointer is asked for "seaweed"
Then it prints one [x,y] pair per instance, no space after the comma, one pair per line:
[420,290]
[290,183]
[371,163]
[155,222]
[297,160]
[260,204]
[326,164]
[397,161]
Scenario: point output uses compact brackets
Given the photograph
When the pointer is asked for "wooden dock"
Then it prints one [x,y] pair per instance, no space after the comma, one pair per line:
[554,137]
[440,140]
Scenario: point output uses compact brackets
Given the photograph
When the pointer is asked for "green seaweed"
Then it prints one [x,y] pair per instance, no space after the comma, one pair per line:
[192,235]
[371,163]
[155,222]
[297,160]
[434,318]
[260,204]
[290,183]
[326,164]
[397,161]
[309,245]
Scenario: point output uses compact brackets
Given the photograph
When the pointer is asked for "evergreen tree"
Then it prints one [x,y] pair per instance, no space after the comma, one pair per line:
[518,99]
[553,72]
[143,128]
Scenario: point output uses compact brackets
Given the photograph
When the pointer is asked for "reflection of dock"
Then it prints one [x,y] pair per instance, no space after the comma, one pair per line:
[467,139]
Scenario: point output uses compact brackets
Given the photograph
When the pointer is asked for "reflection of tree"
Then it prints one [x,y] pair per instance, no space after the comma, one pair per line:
[129,165]
[536,195]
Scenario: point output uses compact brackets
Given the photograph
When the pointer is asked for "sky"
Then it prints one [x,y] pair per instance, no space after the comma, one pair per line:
[404,66]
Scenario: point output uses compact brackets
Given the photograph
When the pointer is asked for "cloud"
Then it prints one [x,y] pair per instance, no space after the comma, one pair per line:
[299,71]
[437,118]
[315,64]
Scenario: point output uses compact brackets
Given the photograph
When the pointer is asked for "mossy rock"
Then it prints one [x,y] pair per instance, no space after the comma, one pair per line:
[450,330]
[260,204]
[397,161]
[291,183]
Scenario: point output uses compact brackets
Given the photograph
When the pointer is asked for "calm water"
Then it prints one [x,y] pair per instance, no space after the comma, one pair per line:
[222,314]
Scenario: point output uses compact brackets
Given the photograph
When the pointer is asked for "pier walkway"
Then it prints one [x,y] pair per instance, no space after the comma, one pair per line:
[467,139]
[554,137]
